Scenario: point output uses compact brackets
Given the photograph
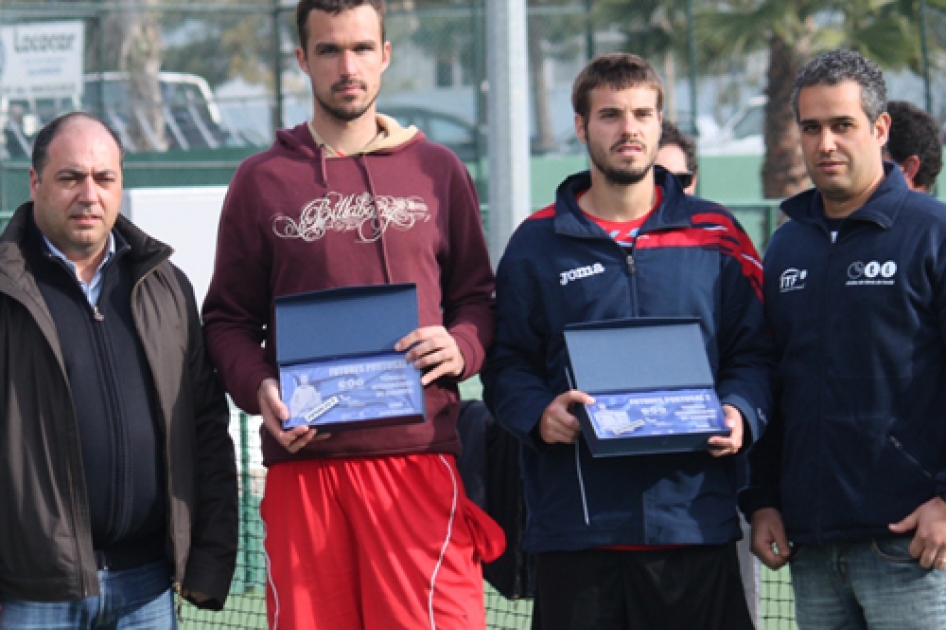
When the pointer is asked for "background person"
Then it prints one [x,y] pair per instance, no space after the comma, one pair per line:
[677,154]
[848,481]
[914,144]
[117,474]
[364,528]
[635,541]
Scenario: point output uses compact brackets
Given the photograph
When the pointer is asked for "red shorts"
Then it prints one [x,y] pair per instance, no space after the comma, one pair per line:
[388,542]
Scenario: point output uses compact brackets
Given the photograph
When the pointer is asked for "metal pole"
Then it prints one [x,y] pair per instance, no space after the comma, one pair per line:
[589,29]
[926,58]
[691,53]
[277,69]
[508,73]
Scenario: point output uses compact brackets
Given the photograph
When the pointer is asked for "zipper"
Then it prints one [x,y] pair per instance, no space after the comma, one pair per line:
[164,416]
[826,295]
[581,483]
[906,454]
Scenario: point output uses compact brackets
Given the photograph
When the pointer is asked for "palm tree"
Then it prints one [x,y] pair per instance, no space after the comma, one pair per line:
[792,31]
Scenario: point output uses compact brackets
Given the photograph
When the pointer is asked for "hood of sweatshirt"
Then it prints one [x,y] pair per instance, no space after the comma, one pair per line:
[305,141]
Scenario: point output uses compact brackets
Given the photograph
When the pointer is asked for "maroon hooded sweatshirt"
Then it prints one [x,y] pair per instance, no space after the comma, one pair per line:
[297,219]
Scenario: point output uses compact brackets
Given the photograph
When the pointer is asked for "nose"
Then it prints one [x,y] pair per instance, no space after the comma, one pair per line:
[827,144]
[88,191]
[346,63]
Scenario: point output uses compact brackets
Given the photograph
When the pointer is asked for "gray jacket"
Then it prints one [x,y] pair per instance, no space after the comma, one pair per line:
[46,551]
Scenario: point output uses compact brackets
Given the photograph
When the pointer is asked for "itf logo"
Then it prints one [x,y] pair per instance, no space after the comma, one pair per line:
[792,280]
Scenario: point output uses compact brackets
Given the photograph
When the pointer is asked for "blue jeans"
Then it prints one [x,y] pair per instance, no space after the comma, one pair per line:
[134,599]
[868,584]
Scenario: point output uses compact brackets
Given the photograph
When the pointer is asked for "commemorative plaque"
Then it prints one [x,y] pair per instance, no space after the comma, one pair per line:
[652,384]
[337,365]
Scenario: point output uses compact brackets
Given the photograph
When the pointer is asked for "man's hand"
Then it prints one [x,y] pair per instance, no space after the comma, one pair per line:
[275,412]
[558,423]
[721,445]
[434,351]
[929,542]
[769,542]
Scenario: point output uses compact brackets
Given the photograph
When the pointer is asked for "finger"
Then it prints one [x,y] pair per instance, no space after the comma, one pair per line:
[429,377]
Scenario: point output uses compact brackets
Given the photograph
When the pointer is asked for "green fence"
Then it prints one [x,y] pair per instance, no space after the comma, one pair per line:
[246,607]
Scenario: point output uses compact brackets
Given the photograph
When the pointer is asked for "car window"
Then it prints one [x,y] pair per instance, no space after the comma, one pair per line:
[446,131]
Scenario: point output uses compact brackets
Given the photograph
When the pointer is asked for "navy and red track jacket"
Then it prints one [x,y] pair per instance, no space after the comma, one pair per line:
[690,259]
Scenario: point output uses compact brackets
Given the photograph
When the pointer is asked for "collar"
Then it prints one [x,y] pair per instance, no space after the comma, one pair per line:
[882,208]
[109,253]
[570,220]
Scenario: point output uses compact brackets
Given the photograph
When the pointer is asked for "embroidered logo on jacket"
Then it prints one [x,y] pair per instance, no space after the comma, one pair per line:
[792,279]
[581,272]
[871,273]
[352,213]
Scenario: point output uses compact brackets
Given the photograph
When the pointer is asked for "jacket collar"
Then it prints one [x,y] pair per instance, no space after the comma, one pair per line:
[145,252]
[882,208]
[571,221]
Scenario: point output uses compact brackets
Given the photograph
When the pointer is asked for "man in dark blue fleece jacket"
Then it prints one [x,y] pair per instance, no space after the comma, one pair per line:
[643,541]
[847,483]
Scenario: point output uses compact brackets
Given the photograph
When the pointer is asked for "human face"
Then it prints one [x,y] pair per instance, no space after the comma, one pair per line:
[842,148]
[622,132]
[672,158]
[344,58]
[77,196]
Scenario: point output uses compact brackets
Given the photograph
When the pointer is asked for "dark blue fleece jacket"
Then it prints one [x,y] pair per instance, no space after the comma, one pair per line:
[858,440]
[691,259]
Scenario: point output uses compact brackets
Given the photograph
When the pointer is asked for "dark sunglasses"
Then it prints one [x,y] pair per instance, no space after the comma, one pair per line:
[685,179]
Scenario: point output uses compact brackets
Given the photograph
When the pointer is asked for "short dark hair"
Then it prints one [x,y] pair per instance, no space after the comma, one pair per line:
[671,135]
[332,7]
[915,132]
[615,70]
[832,68]
[56,126]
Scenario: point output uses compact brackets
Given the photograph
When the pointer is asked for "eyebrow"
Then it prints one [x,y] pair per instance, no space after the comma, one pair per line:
[79,172]
[829,121]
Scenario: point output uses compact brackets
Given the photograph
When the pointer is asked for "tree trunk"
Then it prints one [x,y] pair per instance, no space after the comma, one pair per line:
[140,57]
[783,170]
[544,133]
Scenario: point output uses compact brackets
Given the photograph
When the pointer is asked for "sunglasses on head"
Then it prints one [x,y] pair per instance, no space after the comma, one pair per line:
[685,179]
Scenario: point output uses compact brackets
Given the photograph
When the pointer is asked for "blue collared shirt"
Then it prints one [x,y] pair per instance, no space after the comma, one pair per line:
[93,289]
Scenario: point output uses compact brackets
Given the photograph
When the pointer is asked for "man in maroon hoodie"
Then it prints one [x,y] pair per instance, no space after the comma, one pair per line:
[364,528]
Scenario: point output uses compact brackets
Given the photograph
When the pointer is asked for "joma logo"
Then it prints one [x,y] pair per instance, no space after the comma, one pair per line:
[581,272]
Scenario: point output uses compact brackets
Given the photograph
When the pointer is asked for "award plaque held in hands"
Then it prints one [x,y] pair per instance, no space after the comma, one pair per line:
[337,364]
[652,385]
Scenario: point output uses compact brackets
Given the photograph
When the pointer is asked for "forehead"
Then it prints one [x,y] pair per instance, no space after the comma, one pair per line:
[83,143]
[633,97]
[361,23]
[826,102]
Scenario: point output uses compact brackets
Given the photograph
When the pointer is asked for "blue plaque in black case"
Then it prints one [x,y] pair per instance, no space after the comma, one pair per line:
[652,384]
[337,364]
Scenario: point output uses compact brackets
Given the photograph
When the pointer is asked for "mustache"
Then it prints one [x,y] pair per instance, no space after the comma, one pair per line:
[624,142]
[347,83]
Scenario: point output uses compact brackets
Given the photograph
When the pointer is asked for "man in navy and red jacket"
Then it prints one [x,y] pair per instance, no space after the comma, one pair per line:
[641,541]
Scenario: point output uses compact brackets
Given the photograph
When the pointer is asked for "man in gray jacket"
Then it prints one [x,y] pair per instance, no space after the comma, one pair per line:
[117,474]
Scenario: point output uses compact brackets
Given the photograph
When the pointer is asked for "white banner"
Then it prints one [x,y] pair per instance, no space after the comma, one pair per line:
[42,60]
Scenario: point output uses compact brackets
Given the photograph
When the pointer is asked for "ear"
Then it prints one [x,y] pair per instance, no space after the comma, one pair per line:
[385,56]
[34,182]
[882,128]
[301,60]
[580,128]
[910,166]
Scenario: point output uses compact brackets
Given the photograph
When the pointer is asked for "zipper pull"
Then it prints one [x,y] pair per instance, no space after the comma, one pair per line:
[98,314]
[630,264]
